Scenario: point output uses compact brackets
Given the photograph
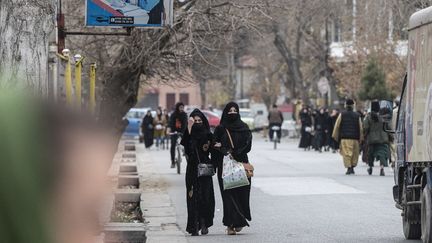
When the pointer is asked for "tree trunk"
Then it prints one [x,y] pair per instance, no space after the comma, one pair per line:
[25,29]
[202,85]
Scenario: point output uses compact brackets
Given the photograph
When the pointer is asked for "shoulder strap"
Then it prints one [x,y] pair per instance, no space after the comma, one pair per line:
[229,137]
[197,154]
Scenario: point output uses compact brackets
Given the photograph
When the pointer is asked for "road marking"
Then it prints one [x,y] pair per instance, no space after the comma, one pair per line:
[292,186]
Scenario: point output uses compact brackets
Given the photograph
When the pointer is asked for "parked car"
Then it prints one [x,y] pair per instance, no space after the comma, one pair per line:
[289,126]
[213,118]
[260,113]
[248,117]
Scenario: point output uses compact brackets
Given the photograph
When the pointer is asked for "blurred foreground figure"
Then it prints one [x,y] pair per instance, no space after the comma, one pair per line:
[348,131]
[52,169]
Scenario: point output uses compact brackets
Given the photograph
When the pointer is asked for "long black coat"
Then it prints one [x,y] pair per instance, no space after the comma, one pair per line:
[236,208]
[199,190]
[306,137]
[148,130]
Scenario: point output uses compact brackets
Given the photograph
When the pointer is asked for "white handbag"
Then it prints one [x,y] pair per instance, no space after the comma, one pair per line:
[233,173]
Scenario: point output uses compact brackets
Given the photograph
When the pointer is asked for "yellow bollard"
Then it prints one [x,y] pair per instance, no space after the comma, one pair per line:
[78,70]
[93,88]
[68,75]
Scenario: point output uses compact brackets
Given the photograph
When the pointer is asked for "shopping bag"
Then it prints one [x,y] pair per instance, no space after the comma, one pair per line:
[233,174]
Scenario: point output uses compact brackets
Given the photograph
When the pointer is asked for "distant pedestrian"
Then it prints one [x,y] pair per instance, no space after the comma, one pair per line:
[377,139]
[235,201]
[199,188]
[275,118]
[147,129]
[349,131]
[320,129]
[160,124]
[306,129]
[177,124]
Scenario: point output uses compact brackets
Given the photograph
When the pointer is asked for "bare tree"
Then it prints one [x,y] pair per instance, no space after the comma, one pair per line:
[196,46]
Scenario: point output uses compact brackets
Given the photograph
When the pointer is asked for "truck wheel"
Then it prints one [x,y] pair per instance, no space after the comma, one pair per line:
[426,215]
[412,230]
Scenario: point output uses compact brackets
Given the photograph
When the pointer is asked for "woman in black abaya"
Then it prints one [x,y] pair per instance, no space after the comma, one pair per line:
[306,125]
[147,129]
[199,190]
[235,201]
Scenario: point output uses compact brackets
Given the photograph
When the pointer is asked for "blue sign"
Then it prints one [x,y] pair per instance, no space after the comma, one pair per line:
[127,13]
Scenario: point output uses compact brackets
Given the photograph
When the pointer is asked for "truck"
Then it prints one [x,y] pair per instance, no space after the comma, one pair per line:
[412,191]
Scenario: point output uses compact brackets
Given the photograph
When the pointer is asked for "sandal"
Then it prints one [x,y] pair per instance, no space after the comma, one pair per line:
[231,231]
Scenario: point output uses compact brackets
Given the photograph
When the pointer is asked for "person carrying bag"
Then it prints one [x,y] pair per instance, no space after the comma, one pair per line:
[232,143]
[199,171]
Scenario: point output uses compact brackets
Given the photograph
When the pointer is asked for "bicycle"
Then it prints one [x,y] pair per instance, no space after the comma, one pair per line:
[179,151]
[276,139]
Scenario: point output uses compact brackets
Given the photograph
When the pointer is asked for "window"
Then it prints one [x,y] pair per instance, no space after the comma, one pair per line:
[184,98]
[170,100]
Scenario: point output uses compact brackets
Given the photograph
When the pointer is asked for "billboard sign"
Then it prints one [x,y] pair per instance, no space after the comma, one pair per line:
[129,13]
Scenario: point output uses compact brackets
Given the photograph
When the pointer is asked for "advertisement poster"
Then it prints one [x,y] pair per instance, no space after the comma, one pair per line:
[129,13]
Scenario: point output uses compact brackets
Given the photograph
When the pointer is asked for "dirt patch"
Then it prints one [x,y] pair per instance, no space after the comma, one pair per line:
[129,187]
[127,212]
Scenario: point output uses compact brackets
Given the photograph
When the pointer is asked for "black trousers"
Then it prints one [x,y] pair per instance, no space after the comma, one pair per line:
[173,147]
[279,133]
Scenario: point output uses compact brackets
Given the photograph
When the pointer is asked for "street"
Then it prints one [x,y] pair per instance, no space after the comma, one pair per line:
[301,196]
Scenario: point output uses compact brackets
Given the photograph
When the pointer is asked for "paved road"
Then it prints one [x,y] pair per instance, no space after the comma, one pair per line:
[301,196]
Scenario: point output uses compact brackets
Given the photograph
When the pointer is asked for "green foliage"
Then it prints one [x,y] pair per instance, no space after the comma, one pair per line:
[373,85]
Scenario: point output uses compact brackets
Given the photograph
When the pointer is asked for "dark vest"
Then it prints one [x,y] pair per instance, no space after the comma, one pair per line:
[349,127]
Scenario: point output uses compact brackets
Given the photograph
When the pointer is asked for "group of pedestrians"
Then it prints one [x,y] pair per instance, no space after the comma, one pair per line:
[205,152]
[317,128]
[154,128]
[351,132]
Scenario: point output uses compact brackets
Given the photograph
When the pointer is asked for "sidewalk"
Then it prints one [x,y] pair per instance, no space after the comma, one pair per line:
[158,209]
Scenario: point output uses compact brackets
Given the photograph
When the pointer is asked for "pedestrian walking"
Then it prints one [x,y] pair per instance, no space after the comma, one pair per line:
[160,124]
[320,129]
[236,208]
[377,139]
[349,131]
[199,171]
[306,129]
[147,129]
[275,118]
[177,124]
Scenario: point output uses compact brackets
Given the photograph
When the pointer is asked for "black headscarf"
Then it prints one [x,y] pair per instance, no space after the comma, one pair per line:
[197,130]
[233,122]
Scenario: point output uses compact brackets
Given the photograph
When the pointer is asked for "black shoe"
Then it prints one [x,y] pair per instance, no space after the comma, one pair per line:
[204,230]
[348,171]
[172,165]
[352,171]
[369,170]
[195,234]
[382,172]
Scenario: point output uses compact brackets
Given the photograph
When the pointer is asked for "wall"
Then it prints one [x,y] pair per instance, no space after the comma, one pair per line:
[177,88]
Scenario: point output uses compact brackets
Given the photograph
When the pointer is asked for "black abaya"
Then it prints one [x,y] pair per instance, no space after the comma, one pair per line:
[199,190]
[306,137]
[147,129]
[236,207]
